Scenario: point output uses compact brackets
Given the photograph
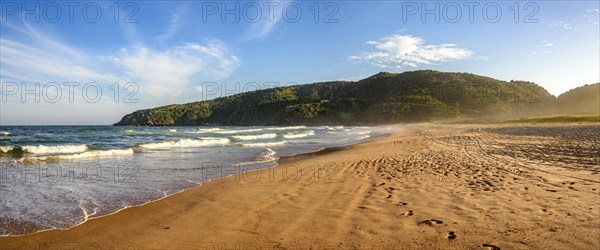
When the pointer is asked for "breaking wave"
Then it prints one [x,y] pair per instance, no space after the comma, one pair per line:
[186,143]
[254,137]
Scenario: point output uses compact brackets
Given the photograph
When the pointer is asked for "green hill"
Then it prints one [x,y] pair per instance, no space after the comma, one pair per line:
[382,98]
[584,100]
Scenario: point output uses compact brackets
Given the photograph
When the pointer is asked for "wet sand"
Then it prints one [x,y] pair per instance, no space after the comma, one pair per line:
[428,186]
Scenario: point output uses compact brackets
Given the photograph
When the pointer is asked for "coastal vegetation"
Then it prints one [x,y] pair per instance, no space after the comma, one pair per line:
[417,96]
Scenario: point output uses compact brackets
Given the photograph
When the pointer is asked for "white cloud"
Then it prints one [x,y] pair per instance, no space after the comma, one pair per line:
[158,72]
[592,16]
[546,43]
[174,26]
[398,51]
[563,24]
[46,59]
[162,76]
[168,72]
[540,52]
[271,15]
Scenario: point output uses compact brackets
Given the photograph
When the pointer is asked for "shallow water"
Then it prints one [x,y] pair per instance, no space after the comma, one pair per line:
[55,177]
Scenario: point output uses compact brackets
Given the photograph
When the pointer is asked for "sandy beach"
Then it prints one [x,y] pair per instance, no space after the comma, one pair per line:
[425,187]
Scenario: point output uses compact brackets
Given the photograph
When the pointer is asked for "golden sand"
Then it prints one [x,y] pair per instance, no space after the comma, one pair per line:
[446,187]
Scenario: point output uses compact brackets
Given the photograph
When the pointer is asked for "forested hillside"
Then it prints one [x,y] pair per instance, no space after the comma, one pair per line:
[382,98]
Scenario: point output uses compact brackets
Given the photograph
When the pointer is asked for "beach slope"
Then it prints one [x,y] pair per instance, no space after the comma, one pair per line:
[449,187]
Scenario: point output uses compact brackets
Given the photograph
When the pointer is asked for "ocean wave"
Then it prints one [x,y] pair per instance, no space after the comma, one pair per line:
[6,149]
[363,137]
[254,137]
[287,128]
[172,130]
[5,133]
[208,130]
[57,149]
[334,128]
[265,157]
[87,154]
[128,131]
[186,143]
[226,131]
[293,135]
[264,144]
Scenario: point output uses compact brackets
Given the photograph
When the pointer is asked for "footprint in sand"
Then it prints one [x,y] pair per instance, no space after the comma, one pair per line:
[389,196]
[409,213]
[451,235]
[430,222]
[402,203]
[490,247]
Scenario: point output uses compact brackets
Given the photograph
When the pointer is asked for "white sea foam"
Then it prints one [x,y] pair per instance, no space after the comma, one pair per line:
[363,137]
[334,128]
[5,133]
[254,137]
[172,130]
[293,135]
[6,149]
[98,153]
[86,214]
[226,131]
[287,128]
[267,156]
[206,130]
[128,131]
[187,143]
[264,144]
[57,149]
[88,154]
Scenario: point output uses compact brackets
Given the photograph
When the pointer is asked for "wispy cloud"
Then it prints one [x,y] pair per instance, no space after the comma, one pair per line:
[168,72]
[567,25]
[592,16]
[158,72]
[162,75]
[398,51]
[268,20]
[46,59]
[546,43]
[542,48]
[174,26]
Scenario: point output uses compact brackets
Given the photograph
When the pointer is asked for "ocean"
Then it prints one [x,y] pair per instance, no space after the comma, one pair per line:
[56,177]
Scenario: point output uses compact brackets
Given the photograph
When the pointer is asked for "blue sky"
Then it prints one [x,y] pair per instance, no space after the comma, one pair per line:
[163,52]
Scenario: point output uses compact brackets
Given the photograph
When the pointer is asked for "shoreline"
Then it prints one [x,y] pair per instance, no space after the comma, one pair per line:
[353,198]
[288,159]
